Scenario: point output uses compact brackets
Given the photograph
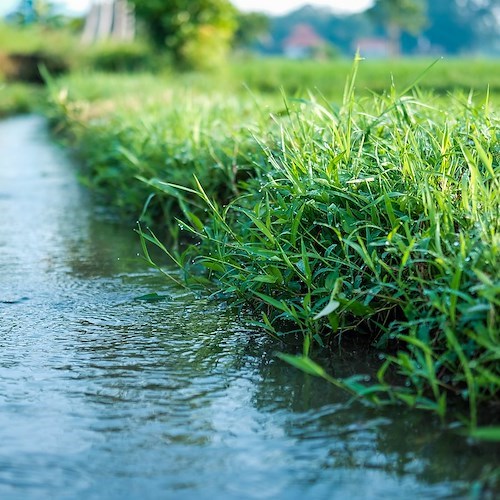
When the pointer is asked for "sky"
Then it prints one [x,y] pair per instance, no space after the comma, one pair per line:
[268,6]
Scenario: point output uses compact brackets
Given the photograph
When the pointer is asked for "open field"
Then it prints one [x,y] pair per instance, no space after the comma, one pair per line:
[440,76]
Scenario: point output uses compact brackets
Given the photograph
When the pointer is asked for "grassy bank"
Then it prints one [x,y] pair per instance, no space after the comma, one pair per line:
[156,128]
[18,98]
[371,218]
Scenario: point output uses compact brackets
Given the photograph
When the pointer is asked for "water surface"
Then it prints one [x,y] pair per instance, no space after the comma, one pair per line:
[104,395]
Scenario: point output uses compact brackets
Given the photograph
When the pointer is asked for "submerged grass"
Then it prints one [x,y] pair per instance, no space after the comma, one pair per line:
[373,220]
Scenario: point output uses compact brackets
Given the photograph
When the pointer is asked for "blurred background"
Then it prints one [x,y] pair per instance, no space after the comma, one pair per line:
[201,32]
[290,43]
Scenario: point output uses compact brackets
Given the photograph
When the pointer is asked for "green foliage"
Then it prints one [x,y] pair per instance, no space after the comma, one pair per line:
[398,16]
[24,48]
[198,33]
[17,98]
[35,38]
[181,133]
[327,78]
[486,433]
[377,221]
[40,12]
[408,15]
[114,56]
[251,26]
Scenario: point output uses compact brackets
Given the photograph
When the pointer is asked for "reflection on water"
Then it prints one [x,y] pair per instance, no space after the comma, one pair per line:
[104,396]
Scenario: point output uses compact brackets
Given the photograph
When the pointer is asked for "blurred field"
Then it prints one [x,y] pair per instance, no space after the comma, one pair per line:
[267,78]
[445,76]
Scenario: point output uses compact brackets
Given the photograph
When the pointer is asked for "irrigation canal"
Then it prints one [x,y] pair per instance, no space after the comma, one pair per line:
[106,396]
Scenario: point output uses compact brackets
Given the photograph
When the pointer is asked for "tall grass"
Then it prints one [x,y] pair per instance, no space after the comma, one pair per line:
[374,220]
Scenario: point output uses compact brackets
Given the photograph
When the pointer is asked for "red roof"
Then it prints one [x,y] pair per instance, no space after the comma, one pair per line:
[303,36]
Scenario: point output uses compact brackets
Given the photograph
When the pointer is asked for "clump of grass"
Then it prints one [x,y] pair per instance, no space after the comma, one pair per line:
[375,220]
[36,38]
[126,57]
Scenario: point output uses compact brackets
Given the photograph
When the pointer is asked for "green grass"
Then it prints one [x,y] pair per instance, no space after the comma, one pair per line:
[17,98]
[328,77]
[170,131]
[369,218]
[375,220]
[21,47]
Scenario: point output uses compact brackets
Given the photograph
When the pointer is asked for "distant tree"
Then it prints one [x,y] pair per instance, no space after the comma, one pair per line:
[398,16]
[458,27]
[340,31]
[198,33]
[345,31]
[251,27]
[36,11]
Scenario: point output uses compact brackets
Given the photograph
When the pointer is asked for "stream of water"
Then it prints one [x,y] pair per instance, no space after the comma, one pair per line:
[107,396]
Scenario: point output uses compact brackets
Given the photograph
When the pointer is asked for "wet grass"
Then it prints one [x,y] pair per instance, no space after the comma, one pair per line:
[371,219]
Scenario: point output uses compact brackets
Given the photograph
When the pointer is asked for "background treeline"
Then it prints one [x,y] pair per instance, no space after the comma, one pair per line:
[447,27]
[203,34]
[247,47]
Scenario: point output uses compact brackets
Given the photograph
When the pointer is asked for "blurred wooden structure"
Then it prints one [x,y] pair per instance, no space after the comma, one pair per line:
[109,19]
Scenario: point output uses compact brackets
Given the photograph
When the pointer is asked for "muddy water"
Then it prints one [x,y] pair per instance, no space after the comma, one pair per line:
[105,395]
